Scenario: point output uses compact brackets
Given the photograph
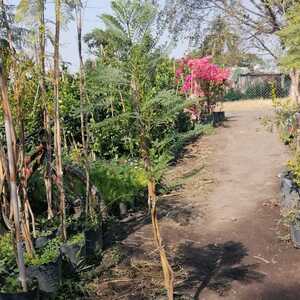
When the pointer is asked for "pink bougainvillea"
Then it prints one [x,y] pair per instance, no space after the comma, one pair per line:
[200,76]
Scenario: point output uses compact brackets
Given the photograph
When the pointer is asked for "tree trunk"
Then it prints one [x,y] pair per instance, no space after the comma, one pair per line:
[294,90]
[57,142]
[12,175]
[23,183]
[47,126]
[11,153]
[166,267]
[83,118]
[144,145]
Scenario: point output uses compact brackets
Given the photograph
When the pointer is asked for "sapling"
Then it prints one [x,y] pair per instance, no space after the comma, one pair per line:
[57,135]
[146,118]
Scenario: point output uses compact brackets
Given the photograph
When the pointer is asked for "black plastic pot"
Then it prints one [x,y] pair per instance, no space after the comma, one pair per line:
[218,117]
[289,192]
[295,235]
[48,276]
[41,241]
[33,295]
[93,241]
[74,254]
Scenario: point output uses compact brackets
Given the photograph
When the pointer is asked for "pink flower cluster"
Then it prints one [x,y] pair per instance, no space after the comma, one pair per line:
[202,73]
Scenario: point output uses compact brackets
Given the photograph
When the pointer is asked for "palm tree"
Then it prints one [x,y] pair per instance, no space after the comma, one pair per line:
[131,20]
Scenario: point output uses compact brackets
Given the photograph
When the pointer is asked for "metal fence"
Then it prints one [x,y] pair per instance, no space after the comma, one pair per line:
[259,85]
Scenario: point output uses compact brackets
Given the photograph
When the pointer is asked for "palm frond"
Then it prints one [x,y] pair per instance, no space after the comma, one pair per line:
[114,27]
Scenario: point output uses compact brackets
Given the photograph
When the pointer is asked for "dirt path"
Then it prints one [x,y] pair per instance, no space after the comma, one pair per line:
[220,222]
[229,240]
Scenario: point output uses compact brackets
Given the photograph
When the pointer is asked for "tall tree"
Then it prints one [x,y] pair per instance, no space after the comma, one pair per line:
[291,58]
[47,126]
[35,10]
[82,94]
[130,30]
[223,42]
[57,129]
[259,20]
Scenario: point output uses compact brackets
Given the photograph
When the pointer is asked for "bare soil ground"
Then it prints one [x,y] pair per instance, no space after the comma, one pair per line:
[220,222]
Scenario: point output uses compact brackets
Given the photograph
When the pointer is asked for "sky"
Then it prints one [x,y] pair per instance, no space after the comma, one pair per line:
[91,19]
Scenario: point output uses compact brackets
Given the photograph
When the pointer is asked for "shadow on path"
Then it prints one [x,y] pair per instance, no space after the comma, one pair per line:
[276,292]
[215,267]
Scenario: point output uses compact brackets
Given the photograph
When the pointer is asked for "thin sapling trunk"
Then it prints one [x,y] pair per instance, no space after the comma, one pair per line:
[47,126]
[57,142]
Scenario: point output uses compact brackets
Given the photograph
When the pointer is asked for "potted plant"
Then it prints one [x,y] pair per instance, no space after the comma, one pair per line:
[42,240]
[291,218]
[290,181]
[45,266]
[74,250]
[295,228]
[20,296]
[295,233]
[202,78]
[289,191]
[9,283]
[93,238]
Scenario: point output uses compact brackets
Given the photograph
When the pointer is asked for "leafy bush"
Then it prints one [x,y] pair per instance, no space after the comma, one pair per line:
[8,265]
[119,181]
[285,119]
[294,167]
[46,255]
[76,239]
[233,95]
[6,248]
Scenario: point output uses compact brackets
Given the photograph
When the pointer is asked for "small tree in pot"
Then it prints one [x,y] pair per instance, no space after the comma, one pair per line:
[202,79]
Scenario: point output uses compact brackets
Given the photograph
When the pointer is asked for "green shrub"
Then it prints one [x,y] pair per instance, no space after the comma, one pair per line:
[233,95]
[119,181]
[46,255]
[6,248]
[76,239]
[294,167]
[285,119]
[8,265]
